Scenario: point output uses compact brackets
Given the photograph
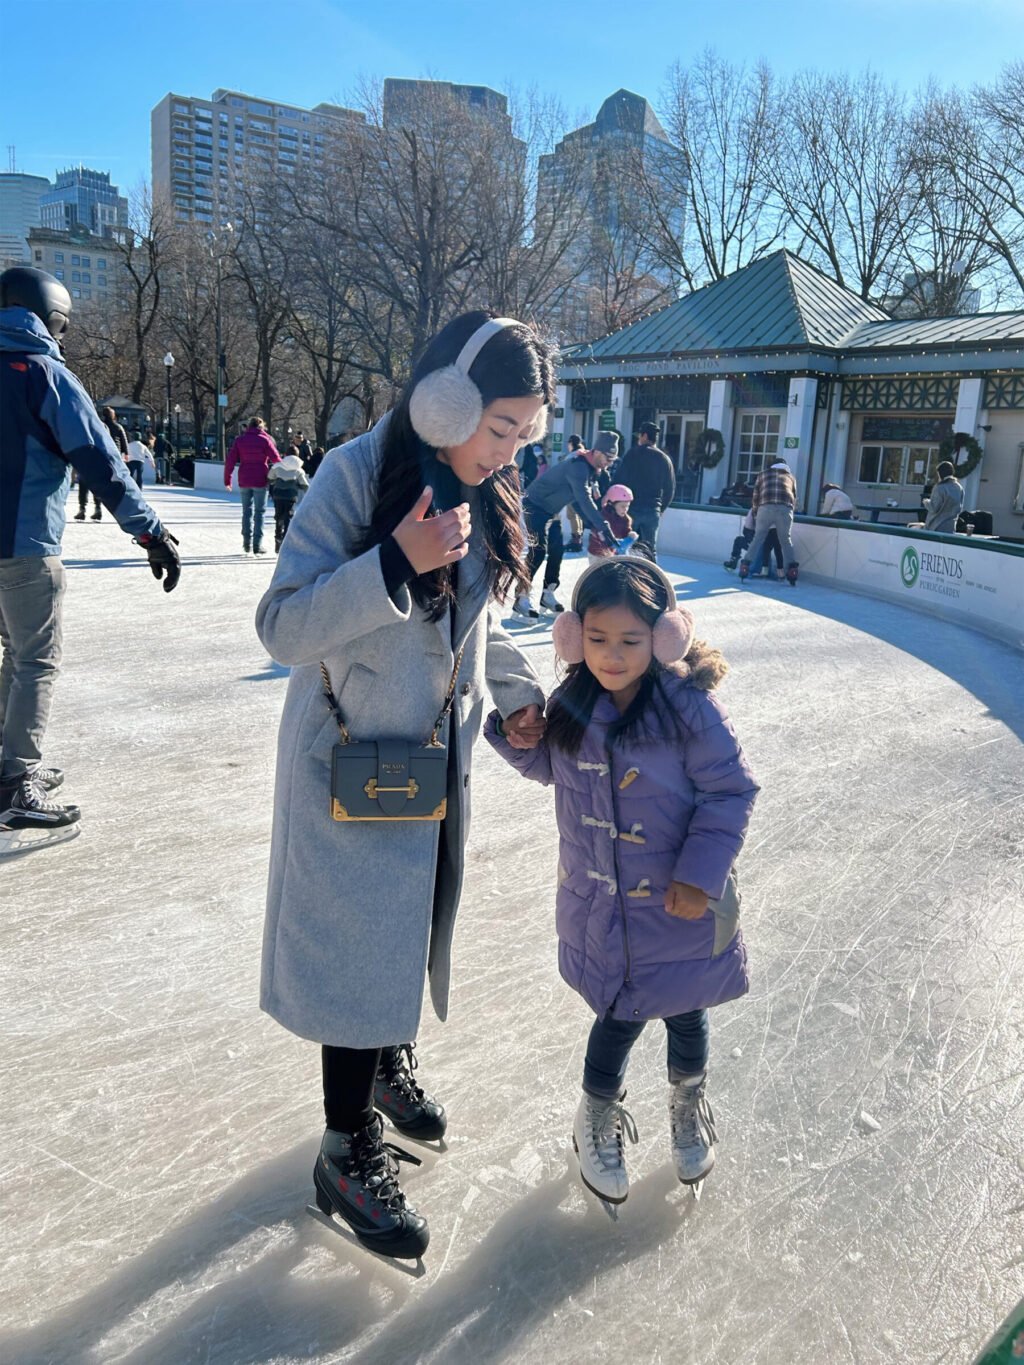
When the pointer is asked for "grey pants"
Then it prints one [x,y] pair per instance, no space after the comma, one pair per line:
[772,516]
[31,600]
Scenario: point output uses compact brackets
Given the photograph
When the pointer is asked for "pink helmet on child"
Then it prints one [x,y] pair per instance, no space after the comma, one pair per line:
[618,493]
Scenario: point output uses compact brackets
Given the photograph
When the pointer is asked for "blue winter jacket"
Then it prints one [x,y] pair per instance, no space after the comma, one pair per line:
[631,822]
[47,424]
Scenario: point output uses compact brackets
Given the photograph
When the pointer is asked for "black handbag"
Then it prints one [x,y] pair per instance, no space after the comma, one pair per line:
[389,779]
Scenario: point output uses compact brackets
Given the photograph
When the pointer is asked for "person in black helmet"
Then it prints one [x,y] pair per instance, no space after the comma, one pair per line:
[49,425]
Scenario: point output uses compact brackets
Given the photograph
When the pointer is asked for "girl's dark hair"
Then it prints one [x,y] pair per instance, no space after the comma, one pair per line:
[514,363]
[650,717]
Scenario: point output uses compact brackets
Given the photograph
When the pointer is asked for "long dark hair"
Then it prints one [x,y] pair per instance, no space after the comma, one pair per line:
[514,363]
[650,717]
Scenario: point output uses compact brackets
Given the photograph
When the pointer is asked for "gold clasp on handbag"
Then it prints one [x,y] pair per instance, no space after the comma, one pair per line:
[373,791]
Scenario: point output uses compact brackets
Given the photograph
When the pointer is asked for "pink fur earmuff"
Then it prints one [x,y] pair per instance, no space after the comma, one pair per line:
[671,637]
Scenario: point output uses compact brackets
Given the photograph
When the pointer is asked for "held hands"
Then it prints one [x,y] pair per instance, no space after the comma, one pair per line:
[525,728]
[685,901]
[433,542]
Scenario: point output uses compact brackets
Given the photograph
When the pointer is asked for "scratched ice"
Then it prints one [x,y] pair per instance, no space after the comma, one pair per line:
[158,1132]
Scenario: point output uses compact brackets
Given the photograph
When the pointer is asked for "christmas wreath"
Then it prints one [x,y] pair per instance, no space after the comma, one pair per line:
[962,451]
[709,448]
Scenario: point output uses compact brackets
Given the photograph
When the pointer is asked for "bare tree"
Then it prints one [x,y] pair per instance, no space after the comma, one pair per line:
[839,168]
[713,210]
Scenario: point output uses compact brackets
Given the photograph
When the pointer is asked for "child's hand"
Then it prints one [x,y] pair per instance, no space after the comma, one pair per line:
[525,728]
[685,901]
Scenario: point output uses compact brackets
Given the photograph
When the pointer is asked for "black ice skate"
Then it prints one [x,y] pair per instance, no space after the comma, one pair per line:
[406,1105]
[356,1177]
[24,805]
[792,574]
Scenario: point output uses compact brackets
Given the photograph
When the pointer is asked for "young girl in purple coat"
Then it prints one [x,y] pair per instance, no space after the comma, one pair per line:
[652,797]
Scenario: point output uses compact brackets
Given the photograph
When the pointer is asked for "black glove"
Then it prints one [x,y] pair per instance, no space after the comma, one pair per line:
[163,558]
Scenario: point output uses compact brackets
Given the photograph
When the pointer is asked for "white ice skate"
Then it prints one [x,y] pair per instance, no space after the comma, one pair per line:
[597,1134]
[522,606]
[550,602]
[693,1129]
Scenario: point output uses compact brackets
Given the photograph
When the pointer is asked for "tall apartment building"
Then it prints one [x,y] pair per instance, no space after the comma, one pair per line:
[405,100]
[84,198]
[597,160]
[19,213]
[202,148]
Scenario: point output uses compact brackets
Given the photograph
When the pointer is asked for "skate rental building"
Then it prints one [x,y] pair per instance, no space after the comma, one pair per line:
[779,359]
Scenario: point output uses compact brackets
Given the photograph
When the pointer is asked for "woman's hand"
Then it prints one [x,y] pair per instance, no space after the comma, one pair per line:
[685,901]
[433,542]
[525,728]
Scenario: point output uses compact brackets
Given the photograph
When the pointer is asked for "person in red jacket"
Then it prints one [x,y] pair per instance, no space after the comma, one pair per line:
[253,452]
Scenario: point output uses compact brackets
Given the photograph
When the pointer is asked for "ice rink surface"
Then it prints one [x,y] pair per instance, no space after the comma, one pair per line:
[159,1132]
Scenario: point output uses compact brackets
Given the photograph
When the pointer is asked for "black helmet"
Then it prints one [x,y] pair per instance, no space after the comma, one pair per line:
[25,287]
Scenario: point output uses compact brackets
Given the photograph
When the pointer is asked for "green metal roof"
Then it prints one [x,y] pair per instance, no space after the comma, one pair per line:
[779,301]
[968,329]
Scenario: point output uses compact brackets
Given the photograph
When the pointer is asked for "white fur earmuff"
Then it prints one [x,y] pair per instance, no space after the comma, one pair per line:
[445,407]
[671,637]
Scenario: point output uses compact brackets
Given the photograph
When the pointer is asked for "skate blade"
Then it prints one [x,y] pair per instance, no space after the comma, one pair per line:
[415,1269]
[14,843]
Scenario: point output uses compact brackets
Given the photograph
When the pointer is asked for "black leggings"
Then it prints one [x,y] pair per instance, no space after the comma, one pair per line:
[349,1074]
[545,536]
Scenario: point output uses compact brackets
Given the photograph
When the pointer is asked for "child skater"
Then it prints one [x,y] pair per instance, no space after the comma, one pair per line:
[615,510]
[652,799]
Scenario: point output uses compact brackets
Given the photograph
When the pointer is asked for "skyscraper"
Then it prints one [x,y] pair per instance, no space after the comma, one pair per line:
[84,198]
[19,213]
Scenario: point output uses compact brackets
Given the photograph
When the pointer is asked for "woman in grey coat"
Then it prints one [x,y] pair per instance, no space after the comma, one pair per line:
[390,568]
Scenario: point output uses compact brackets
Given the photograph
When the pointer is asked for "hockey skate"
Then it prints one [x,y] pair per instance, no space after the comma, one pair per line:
[793,573]
[598,1134]
[406,1105]
[356,1177]
[28,819]
[693,1131]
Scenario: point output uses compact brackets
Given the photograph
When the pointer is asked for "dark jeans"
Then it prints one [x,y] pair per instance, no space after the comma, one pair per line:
[544,533]
[646,524]
[610,1042]
[135,470]
[283,513]
[83,498]
[349,1074]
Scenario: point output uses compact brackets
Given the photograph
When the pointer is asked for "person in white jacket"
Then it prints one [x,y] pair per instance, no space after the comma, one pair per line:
[287,482]
[836,503]
[140,453]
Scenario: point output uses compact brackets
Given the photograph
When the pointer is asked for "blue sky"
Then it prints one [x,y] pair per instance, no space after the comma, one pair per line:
[87,76]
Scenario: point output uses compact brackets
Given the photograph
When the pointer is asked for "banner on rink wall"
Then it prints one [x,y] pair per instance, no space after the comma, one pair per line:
[964,580]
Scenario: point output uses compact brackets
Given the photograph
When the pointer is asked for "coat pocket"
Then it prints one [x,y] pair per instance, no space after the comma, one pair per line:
[727,915]
[352,698]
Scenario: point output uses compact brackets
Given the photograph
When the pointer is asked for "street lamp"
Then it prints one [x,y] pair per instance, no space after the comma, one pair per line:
[222,398]
[168,366]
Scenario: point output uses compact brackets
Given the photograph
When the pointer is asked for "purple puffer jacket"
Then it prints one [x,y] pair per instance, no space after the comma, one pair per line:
[629,824]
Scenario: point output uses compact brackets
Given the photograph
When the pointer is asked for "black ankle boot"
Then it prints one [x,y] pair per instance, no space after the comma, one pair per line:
[404,1103]
[356,1177]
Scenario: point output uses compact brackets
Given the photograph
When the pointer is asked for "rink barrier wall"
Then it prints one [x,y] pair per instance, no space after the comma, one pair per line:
[209,475]
[973,582]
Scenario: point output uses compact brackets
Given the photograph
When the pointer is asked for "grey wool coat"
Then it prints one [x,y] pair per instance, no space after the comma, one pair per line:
[352,921]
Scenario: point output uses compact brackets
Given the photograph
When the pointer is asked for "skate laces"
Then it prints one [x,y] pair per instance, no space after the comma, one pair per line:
[399,1069]
[693,1120]
[32,796]
[608,1127]
[376,1164]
